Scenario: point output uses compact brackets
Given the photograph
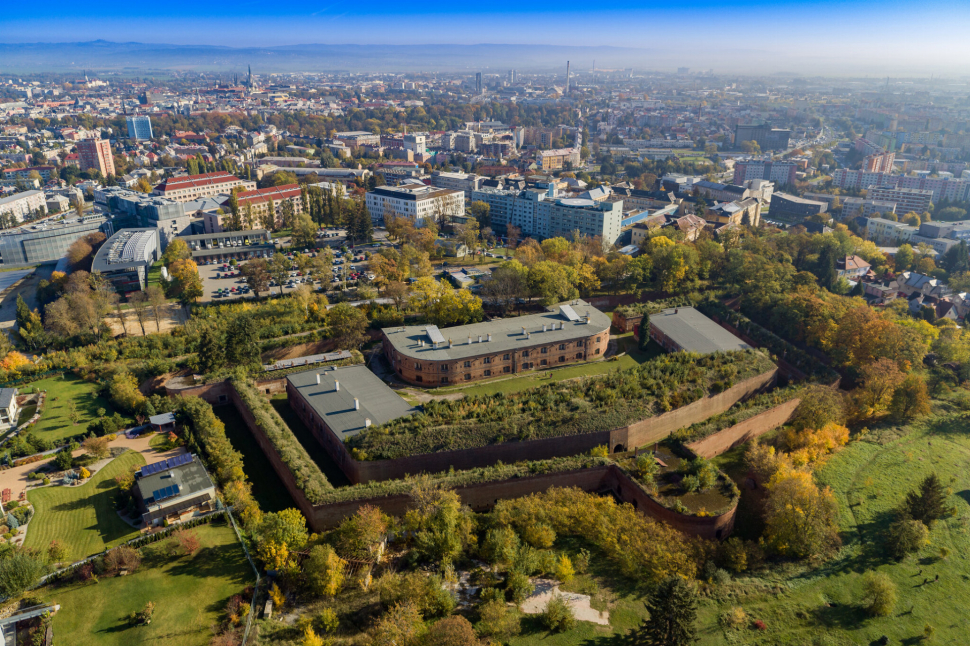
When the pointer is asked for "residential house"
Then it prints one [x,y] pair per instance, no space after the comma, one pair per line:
[852,267]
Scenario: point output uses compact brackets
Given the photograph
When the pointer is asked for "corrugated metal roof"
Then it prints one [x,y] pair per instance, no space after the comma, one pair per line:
[694,332]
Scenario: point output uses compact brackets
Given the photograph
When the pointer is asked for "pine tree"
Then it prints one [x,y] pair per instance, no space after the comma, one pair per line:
[825,269]
[242,342]
[673,609]
[365,228]
[211,354]
[928,503]
[644,339]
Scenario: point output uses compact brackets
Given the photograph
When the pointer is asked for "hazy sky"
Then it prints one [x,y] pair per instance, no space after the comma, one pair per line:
[876,37]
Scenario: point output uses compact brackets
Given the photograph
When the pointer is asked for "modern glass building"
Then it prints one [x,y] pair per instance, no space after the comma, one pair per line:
[47,241]
[140,128]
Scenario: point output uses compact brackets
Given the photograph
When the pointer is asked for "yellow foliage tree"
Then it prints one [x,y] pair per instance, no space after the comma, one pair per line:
[800,518]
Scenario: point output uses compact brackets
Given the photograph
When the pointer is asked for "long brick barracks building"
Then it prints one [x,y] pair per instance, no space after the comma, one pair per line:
[566,333]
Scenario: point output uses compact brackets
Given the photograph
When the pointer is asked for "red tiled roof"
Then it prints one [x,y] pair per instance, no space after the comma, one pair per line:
[264,194]
[193,181]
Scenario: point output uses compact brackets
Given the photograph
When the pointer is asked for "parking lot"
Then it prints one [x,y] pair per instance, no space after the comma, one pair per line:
[222,282]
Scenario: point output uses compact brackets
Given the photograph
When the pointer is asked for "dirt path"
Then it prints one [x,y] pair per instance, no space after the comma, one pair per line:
[172,316]
[15,478]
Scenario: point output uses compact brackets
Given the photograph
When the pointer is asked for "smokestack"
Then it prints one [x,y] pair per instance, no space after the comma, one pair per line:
[567,77]
[318,378]
[336,385]
[356,404]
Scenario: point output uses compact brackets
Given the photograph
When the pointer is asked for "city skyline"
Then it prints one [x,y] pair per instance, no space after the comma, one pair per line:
[842,38]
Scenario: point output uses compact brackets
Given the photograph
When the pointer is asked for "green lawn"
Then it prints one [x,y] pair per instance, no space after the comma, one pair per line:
[155,274]
[633,357]
[268,489]
[83,518]
[54,423]
[189,593]
[870,478]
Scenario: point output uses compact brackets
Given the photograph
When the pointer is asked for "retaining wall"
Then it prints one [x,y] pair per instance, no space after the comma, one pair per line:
[728,438]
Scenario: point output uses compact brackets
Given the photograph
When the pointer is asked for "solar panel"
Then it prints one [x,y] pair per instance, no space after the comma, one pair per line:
[567,311]
[434,334]
[165,493]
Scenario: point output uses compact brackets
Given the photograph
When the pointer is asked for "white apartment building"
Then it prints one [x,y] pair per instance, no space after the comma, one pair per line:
[906,199]
[21,205]
[541,214]
[887,232]
[194,187]
[943,188]
[414,202]
[466,182]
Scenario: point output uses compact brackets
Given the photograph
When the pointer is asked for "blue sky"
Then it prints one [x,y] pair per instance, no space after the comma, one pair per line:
[914,35]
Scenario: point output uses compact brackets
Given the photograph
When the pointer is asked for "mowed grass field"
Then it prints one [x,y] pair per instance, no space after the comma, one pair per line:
[82,518]
[189,593]
[54,423]
[869,478]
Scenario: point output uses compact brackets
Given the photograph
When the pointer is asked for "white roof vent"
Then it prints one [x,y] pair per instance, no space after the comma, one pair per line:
[568,313]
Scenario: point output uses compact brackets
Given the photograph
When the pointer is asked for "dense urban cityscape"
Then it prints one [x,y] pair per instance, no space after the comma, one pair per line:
[556,354]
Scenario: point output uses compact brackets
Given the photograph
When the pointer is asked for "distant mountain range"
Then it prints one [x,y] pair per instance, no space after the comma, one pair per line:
[111,56]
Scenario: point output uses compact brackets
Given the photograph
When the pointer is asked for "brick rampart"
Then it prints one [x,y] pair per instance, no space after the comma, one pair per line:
[726,439]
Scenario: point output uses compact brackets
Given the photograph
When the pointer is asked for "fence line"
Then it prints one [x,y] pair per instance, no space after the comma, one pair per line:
[252,604]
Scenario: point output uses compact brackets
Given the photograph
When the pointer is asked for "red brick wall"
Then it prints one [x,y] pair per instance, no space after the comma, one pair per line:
[432,372]
[727,439]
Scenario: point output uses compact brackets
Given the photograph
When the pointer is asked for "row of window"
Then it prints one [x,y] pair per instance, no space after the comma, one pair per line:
[528,365]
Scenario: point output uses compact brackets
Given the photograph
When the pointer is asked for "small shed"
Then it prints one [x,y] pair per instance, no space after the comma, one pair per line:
[163,423]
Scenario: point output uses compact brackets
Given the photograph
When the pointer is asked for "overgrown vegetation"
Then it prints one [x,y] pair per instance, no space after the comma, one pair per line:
[560,409]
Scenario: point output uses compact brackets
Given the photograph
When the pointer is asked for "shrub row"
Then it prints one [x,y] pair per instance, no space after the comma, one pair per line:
[306,472]
[652,307]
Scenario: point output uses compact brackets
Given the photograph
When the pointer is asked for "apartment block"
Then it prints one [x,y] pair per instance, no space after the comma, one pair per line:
[558,158]
[194,187]
[906,199]
[466,182]
[22,205]
[96,154]
[779,172]
[416,202]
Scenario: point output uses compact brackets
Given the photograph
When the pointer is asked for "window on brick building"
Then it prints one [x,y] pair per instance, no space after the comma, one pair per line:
[444,367]
[597,351]
[507,369]
[417,366]
[525,354]
[468,364]
[543,363]
[562,359]
[444,380]
[487,360]
[488,373]
[579,355]
[468,377]
[544,350]
[579,344]
[562,346]
[419,378]
[506,357]
[597,339]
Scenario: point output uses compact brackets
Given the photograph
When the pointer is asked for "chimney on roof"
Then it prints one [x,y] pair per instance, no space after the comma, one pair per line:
[367,422]
[318,378]
[356,404]
[489,337]
[469,339]
[523,329]
[676,310]
[449,343]
[479,338]
[543,327]
[336,385]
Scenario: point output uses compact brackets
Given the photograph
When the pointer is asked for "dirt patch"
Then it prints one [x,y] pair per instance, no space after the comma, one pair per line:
[172,316]
[579,603]
[300,350]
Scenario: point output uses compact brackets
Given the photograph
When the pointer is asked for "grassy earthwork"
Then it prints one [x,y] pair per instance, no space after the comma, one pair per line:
[55,423]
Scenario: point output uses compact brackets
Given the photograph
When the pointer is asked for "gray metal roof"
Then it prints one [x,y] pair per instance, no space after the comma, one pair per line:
[336,406]
[694,332]
[163,419]
[127,248]
[413,341]
[7,396]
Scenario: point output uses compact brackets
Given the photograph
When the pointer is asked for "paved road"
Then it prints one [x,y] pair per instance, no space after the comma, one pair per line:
[27,287]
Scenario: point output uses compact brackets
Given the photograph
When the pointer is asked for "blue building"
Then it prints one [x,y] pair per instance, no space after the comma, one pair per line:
[140,128]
